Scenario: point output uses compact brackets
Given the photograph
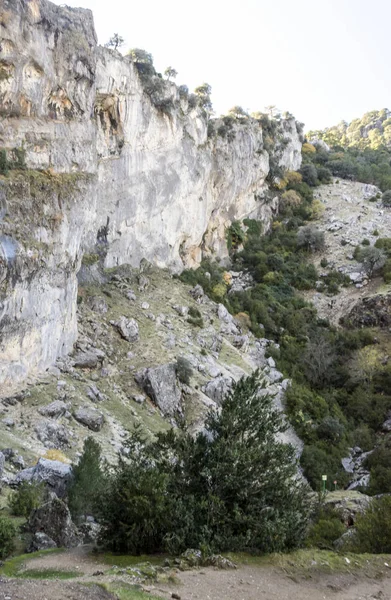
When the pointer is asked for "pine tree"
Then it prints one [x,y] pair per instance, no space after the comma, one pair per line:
[87,480]
[234,487]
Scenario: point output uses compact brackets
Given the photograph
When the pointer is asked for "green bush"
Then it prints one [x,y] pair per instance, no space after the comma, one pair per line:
[386,198]
[183,370]
[7,534]
[326,529]
[384,244]
[373,528]
[365,242]
[195,317]
[379,465]
[317,461]
[372,259]
[3,162]
[235,235]
[210,490]
[324,175]
[309,174]
[310,238]
[26,498]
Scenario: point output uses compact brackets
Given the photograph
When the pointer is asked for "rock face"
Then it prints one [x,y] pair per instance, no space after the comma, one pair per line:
[129,176]
[54,520]
[55,474]
[161,385]
[373,311]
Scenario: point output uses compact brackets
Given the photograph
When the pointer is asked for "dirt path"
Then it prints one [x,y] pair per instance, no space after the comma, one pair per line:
[297,576]
[261,583]
[20,589]
[76,559]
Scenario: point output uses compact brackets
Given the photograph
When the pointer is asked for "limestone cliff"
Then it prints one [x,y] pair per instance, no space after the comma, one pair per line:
[111,172]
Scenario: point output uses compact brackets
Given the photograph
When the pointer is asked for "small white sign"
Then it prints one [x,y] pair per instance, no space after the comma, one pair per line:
[324,477]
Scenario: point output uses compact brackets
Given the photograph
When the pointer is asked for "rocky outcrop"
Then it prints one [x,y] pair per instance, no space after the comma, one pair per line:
[56,475]
[89,417]
[41,541]
[160,384]
[54,520]
[373,311]
[114,174]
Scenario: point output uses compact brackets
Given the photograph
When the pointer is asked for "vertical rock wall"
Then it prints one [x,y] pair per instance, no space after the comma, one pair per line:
[103,161]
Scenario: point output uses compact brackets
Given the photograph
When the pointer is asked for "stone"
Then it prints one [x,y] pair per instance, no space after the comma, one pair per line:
[55,409]
[183,311]
[127,328]
[41,541]
[87,360]
[89,417]
[139,398]
[223,314]
[2,463]
[8,422]
[143,283]
[18,461]
[54,519]
[95,394]
[197,292]
[90,532]
[218,388]
[97,304]
[386,427]
[52,434]
[271,362]
[160,383]
[55,474]
[145,305]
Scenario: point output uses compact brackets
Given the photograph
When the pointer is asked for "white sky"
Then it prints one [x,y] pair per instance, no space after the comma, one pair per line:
[324,61]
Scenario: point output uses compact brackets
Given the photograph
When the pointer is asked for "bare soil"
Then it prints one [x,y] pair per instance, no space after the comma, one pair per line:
[289,577]
[20,589]
[256,583]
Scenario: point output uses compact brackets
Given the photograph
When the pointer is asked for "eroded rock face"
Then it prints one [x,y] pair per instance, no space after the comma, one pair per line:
[131,183]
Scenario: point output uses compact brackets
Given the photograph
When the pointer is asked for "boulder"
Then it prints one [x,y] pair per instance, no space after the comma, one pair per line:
[182,311]
[127,328]
[41,541]
[218,388]
[223,314]
[88,359]
[52,434]
[95,394]
[55,474]
[54,519]
[89,417]
[97,304]
[55,409]
[160,383]
[197,292]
